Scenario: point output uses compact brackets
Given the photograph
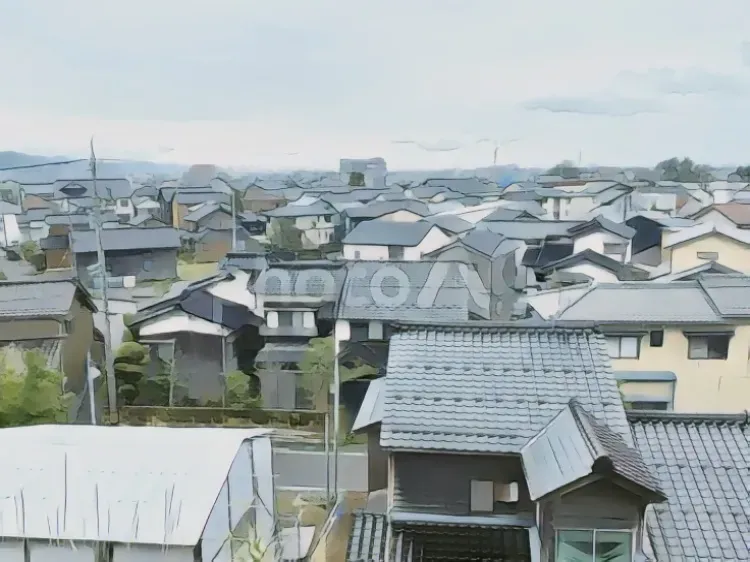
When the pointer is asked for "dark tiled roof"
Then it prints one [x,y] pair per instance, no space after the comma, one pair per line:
[624,272]
[367,541]
[485,387]
[419,291]
[244,261]
[703,463]
[30,299]
[574,445]
[127,239]
[601,223]
[388,233]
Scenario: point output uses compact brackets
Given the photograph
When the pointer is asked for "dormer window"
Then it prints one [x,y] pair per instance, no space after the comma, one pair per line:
[584,545]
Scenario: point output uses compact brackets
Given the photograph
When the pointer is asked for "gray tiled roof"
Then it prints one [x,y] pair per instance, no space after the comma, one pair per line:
[484,387]
[418,291]
[206,209]
[450,223]
[467,186]
[28,299]
[317,279]
[367,541]
[678,302]
[483,241]
[388,233]
[575,445]
[127,239]
[375,210]
[529,230]
[318,208]
[602,223]
[703,463]
[730,294]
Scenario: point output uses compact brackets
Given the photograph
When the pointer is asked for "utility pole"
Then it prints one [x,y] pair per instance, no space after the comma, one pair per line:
[336,416]
[233,194]
[109,357]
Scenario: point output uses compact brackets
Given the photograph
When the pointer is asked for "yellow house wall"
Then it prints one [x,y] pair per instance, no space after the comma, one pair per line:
[709,385]
[731,254]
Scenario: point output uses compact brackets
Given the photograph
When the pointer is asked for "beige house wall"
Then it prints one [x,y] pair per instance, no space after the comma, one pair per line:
[708,385]
[733,254]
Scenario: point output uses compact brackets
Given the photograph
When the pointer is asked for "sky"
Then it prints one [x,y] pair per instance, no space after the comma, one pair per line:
[299,84]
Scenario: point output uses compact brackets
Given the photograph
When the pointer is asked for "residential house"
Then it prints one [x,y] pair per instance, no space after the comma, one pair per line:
[153,496]
[211,215]
[31,224]
[148,254]
[254,224]
[503,442]
[475,187]
[587,265]
[689,247]
[297,299]
[316,221]
[53,317]
[646,244]
[727,214]
[604,237]
[204,330]
[264,195]
[144,219]
[383,240]
[36,196]
[496,262]
[679,346]
[373,171]
[398,211]
[177,202]
[450,225]
[211,245]
[702,461]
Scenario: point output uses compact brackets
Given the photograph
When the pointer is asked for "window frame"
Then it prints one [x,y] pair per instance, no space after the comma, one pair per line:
[691,353]
[593,532]
[709,256]
[620,337]
[667,405]
[285,314]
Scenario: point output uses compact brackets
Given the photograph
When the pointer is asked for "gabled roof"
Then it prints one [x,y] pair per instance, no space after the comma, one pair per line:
[545,254]
[601,223]
[404,291]
[624,272]
[711,267]
[388,233]
[466,186]
[738,213]
[489,388]
[30,299]
[318,208]
[377,210]
[450,223]
[729,294]
[529,230]
[207,209]
[127,239]
[483,241]
[689,234]
[680,302]
[574,445]
[703,463]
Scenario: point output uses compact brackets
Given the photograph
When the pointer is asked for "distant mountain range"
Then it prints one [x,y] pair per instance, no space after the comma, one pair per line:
[46,174]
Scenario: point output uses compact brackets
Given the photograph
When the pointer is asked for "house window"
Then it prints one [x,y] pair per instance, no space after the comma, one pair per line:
[594,546]
[286,319]
[68,326]
[357,254]
[623,347]
[395,252]
[485,493]
[376,331]
[708,347]
[359,331]
[656,338]
[660,405]
[712,256]
[614,249]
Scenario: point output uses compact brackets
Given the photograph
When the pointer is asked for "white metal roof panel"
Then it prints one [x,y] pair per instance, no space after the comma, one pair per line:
[142,485]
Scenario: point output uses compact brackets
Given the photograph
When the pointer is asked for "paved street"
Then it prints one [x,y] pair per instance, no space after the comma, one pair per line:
[307,469]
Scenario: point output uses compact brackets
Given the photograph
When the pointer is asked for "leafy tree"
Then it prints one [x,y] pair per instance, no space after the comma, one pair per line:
[282,234]
[565,169]
[317,367]
[30,392]
[28,249]
[685,170]
[130,364]
[742,173]
[356,179]
[242,391]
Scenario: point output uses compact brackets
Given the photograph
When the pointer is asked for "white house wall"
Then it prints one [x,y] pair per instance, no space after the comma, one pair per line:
[594,272]
[549,303]
[716,218]
[435,239]
[365,252]
[147,553]
[401,216]
[596,241]
[236,497]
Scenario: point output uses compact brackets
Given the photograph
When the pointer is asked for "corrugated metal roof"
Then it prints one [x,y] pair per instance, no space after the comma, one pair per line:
[143,485]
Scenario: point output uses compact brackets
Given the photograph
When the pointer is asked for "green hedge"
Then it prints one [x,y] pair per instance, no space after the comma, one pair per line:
[236,417]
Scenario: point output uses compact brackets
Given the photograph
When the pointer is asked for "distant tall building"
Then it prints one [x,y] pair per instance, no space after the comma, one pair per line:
[373,170]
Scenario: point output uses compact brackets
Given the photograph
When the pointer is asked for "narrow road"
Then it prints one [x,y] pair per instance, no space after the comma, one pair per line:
[307,470]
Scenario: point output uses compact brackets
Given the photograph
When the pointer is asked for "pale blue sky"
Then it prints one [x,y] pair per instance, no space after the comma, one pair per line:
[245,82]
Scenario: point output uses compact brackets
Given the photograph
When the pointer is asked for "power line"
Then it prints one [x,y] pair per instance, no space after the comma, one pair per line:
[60,163]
